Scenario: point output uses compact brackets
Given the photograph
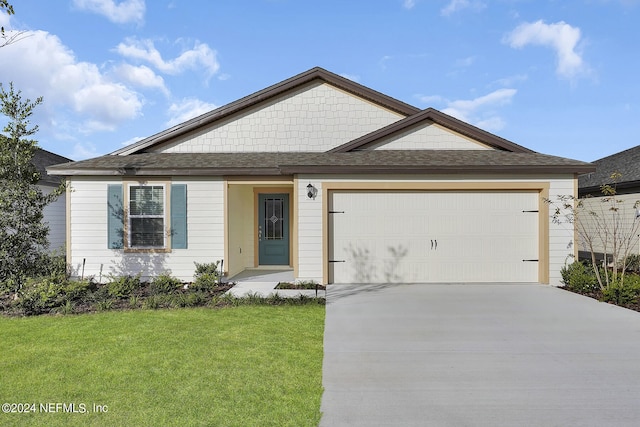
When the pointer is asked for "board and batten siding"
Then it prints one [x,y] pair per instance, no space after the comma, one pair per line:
[314,118]
[88,232]
[310,217]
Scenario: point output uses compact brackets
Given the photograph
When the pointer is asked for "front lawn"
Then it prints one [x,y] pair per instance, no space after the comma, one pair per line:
[240,366]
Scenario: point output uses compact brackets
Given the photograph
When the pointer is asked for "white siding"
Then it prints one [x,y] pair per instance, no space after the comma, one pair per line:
[429,137]
[317,117]
[205,211]
[310,244]
[310,231]
[55,215]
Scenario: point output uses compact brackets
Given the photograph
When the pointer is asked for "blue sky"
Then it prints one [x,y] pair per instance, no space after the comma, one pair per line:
[557,76]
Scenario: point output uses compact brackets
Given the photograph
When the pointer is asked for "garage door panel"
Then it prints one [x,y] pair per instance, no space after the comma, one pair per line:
[433,237]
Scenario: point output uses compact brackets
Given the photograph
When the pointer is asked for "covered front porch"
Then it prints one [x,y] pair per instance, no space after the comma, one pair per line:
[260,228]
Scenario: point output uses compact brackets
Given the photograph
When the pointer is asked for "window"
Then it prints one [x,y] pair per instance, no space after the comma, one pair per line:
[146,216]
[156,217]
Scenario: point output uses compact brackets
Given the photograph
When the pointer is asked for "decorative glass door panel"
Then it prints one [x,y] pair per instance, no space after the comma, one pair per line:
[273,229]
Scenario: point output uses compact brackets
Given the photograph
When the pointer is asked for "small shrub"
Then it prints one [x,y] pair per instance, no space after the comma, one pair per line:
[191,299]
[77,290]
[579,277]
[620,294]
[66,309]
[123,286]
[165,284]
[207,268]
[41,295]
[133,301]
[632,263]
[155,302]
[104,305]
[206,277]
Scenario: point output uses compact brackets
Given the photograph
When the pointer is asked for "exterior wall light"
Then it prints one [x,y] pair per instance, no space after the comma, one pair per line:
[312,191]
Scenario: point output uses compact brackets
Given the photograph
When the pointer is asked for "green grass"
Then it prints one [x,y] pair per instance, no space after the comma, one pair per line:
[241,366]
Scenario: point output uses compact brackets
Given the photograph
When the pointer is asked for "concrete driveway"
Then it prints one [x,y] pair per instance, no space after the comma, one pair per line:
[478,355]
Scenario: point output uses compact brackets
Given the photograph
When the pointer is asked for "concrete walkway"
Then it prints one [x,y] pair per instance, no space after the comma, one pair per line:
[478,355]
[262,282]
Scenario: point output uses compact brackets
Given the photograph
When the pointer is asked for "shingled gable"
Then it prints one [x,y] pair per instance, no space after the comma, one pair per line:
[431,115]
[271,92]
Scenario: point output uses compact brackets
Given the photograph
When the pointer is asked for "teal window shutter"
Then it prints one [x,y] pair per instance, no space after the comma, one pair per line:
[115,218]
[178,216]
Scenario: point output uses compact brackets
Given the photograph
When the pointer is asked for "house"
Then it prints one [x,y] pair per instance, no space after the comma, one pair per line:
[326,177]
[54,213]
[626,164]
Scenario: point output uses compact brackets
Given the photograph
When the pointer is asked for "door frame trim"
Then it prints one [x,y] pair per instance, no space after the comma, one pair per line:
[256,213]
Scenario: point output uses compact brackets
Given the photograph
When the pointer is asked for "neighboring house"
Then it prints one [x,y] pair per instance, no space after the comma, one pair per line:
[627,187]
[55,214]
[329,178]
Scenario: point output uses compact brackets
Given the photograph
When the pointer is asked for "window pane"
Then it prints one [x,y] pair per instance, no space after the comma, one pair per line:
[273,219]
[146,216]
[147,232]
[147,200]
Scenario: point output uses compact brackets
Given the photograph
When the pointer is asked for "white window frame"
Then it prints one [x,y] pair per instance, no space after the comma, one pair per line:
[163,216]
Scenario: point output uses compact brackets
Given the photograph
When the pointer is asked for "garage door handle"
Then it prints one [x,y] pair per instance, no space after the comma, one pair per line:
[434,244]
[331,260]
[529,260]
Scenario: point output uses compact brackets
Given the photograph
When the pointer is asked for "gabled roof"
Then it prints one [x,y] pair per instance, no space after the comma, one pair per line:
[431,115]
[42,159]
[314,74]
[288,163]
[626,162]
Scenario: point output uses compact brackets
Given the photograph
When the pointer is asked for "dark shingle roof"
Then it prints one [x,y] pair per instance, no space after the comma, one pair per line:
[42,159]
[373,162]
[627,163]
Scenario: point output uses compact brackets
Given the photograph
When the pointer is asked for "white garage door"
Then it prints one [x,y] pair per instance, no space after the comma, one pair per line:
[413,237]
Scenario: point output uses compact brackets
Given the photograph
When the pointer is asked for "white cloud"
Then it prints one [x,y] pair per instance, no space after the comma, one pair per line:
[201,57]
[82,151]
[352,77]
[408,4]
[187,109]
[141,76]
[458,5]
[466,62]
[510,80]
[480,111]
[118,12]
[561,37]
[431,99]
[132,140]
[75,93]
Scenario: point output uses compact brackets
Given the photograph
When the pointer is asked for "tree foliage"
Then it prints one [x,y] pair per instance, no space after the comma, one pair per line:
[23,234]
[6,7]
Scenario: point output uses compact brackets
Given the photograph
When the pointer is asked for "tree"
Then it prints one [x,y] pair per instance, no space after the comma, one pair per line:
[23,235]
[604,227]
[6,7]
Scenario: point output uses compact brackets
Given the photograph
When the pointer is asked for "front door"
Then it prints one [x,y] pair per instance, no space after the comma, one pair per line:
[273,229]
